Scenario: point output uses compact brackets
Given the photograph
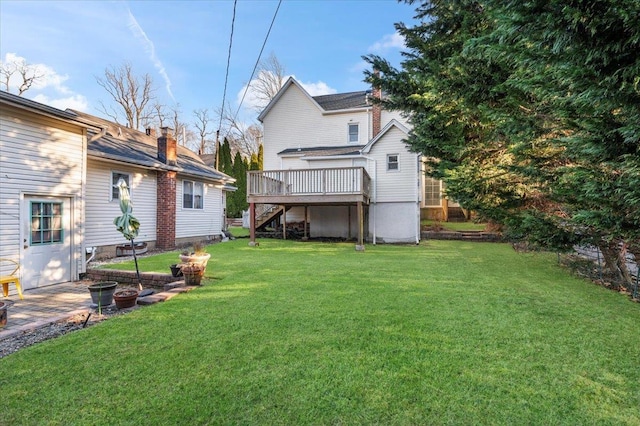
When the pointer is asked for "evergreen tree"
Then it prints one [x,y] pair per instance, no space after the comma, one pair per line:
[260,157]
[237,201]
[226,160]
[529,113]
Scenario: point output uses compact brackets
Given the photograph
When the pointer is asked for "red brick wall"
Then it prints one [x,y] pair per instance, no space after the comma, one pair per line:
[166,210]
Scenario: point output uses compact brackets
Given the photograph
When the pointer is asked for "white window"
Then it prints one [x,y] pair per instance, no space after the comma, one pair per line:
[115,177]
[353,132]
[192,195]
[432,192]
[392,162]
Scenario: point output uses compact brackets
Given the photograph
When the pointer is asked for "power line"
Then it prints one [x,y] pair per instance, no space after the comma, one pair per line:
[257,60]
[226,77]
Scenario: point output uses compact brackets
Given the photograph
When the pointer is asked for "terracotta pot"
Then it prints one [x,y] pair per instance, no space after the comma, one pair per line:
[192,275]
[125,298]
[3,314]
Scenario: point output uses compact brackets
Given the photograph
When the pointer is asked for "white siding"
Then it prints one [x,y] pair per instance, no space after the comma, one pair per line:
[394,185]
[394,222]
[39,156]
[101,210]
[296,122]
[199,222]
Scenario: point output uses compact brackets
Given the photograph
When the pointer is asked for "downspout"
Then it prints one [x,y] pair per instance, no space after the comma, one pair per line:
[375,193]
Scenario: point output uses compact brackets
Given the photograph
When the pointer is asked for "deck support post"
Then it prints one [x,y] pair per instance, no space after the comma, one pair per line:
[360,244]
[284,222]
[305,237]
[252,225]
[349,222]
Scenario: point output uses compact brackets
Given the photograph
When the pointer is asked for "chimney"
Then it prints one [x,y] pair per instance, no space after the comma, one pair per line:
[376,109]
[150,132]
[167,147]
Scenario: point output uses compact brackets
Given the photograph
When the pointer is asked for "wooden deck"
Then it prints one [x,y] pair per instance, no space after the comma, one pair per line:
[335,186]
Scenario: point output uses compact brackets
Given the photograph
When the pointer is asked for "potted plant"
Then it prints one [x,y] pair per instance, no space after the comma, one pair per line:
[102,293]
[175,270]
[197,255]
[3,314]
[125,298]
[193,273]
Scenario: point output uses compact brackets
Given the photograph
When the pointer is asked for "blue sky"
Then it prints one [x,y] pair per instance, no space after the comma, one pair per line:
[184,45]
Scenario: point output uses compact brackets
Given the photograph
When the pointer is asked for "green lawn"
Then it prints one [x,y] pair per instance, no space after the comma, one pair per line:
[308,333]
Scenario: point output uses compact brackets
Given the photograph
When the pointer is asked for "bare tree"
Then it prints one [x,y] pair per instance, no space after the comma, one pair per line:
[268,82]
[132,95]
[19,67]
[243,137]
[203,126]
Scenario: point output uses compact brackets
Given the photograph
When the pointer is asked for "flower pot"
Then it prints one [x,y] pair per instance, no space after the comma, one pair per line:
[3,314]
[193,274]
[102,292]
[125,298]
[198,259]
[175,271]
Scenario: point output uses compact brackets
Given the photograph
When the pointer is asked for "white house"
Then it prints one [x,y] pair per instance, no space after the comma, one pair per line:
[57,170]
[338,163]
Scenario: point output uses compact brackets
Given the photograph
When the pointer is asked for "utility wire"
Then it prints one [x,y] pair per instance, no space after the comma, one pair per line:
[257,61]
[226,77]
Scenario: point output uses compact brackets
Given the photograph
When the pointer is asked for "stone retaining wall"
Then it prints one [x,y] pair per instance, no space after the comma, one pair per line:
[149,279]
[463,236]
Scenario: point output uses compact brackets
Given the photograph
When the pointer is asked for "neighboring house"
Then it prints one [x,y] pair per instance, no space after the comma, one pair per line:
[338,163]
[57,170]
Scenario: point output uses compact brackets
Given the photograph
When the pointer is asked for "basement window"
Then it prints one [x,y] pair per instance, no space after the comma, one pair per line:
[192,195]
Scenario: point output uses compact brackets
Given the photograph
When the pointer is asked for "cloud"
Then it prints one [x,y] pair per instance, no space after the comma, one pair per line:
[77,102]
[253,102]
[139,33]
[388,42]
[49,80]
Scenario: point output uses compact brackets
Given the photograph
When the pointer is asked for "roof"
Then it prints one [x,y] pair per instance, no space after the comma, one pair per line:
[130,146]
[29,105]
[340,101]
[324,151]
[324,103]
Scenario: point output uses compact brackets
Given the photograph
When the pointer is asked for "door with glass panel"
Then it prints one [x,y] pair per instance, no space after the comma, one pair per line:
[46,241]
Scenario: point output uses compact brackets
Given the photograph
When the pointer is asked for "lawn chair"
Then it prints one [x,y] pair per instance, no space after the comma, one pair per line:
[11,278]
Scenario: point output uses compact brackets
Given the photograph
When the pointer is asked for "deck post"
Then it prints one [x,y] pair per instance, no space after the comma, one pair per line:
[360,244]
[284,222]
[305,238]
[252,225]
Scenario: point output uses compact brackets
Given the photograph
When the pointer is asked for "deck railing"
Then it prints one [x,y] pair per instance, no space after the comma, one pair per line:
[334,181]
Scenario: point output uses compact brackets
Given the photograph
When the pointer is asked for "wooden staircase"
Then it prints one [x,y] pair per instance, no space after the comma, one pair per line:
[267,213]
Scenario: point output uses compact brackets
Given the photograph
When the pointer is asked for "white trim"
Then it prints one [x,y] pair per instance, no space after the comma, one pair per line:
[392,123]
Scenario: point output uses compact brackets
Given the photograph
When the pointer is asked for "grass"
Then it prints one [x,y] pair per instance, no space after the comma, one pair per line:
[309,333]
[455,226]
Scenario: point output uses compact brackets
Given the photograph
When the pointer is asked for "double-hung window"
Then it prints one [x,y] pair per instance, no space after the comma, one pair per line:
[192,195]
[353,133]
[393,164]
[115,177]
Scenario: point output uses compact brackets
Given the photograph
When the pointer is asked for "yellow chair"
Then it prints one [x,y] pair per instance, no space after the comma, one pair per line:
[11,278]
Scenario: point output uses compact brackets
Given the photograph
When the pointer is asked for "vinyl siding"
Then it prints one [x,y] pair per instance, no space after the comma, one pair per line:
[101,210]
[394,185]
[199,222]
[296,122]
[39,156]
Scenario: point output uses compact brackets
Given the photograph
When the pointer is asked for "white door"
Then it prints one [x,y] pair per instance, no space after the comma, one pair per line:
[46,241]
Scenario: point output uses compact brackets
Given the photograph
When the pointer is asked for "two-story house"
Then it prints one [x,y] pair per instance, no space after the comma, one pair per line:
[339,164]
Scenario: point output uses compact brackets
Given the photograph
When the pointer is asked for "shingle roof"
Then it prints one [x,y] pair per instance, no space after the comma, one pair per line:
[33,105]
[324,150]
[340,101]
[134,147]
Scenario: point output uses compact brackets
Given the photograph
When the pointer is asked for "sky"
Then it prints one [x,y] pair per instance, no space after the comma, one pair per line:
[184,46]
